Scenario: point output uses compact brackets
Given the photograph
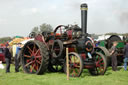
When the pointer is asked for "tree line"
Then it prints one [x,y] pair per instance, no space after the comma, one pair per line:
[43,27]
[38,29]
[47,27]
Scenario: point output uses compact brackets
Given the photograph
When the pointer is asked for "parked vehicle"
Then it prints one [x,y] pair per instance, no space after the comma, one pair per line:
[2,57]
[108,44]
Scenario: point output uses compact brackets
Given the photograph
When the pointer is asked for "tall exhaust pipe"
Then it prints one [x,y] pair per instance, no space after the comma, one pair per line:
[84,8]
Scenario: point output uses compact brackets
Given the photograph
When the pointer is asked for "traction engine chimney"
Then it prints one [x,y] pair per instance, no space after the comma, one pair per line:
[84,9]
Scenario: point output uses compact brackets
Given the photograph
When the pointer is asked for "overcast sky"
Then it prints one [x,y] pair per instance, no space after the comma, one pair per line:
[18,17]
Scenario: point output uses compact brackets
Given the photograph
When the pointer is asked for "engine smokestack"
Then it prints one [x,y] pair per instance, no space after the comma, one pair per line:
[84,8]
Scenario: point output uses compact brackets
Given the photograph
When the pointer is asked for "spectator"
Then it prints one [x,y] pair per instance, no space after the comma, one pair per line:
[18,48]
[126,55]
[113,54]
[7,58]
[97,43]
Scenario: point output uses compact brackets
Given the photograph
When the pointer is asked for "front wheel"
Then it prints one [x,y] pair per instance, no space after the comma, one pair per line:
[100,64]
[75,65]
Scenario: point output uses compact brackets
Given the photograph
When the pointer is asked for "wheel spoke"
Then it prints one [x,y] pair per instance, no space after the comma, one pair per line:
[100,70]
[36,67]
[101,67]
[39,56]
[76,65]
[28,64]
[78,70]
[74,72]
[34,48]
[102,63]
[30,51]
[98,63]
[28,56]
[32,67]
[100,60]
[28,60]
[37,52]
[39,62]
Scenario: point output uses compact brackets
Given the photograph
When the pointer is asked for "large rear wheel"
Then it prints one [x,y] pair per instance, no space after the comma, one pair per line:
[35,57]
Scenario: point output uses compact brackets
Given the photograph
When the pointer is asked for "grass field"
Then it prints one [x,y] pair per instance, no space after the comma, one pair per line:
[110,78]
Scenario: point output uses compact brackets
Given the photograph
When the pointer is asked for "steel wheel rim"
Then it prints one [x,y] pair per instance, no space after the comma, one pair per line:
[100,66]
[32,59]
[75,65]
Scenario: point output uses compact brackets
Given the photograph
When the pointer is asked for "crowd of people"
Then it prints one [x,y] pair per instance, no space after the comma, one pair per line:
[8,57]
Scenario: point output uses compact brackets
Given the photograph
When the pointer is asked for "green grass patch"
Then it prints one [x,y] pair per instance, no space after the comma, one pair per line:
[110,78]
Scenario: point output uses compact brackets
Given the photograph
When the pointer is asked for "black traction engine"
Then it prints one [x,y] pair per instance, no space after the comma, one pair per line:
[48,51]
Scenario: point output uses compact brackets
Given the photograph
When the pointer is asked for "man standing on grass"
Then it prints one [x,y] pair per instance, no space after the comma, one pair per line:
[18,48]
[126,55]
[113,54]
[7,58]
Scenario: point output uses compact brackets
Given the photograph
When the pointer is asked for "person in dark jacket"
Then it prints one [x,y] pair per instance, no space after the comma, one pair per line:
[125,55]
[7,58]
[114,56]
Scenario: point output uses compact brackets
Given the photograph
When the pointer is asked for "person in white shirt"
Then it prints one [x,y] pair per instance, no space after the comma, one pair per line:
[1,65]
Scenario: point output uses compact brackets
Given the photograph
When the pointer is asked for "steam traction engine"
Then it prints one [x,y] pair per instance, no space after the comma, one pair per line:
[48,51]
